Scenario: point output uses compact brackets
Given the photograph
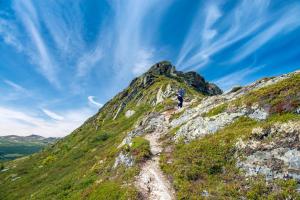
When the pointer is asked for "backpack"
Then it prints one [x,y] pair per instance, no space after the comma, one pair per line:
[181,92]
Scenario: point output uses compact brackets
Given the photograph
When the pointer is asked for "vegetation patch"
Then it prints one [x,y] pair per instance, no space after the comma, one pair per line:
[216,110]
[209,164]
[280,97]
[176,115]
[140,149]
[235,89]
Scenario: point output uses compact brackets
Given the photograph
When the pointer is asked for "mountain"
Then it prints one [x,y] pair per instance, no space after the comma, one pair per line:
[13,146]
[243,144]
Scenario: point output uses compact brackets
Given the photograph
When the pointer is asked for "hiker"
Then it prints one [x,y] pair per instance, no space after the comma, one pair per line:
[180,96]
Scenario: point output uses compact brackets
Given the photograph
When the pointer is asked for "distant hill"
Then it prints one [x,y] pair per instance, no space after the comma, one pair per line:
[13,146]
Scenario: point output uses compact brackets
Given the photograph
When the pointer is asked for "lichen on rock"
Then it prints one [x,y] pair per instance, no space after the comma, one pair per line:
[272,151]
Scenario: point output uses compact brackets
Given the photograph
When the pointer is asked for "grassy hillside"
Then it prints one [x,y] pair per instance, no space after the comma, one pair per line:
[80,165]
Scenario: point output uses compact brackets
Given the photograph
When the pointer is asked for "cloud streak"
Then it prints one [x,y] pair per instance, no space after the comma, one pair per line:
[236,78]
[236,25]
[92,101]
[53,115]
[40,55]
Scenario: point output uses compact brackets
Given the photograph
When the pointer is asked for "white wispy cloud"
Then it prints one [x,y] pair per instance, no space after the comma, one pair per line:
[15,91]
[18,122]
[88,61]
[15,86]
[200,33]
[40,54]
[94,102]
[237,24]
[236,78]
[213,13]
[285,23]
[9,33]
[143,61]
[52,114]
[132,43]
[64,21]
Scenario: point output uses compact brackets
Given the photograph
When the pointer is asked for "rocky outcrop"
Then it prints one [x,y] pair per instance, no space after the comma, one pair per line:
[154,122]
[200,126]
[272,151]
[192,78]
[125,159]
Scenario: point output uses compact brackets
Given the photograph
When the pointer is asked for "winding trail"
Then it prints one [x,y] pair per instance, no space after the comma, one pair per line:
[151,181]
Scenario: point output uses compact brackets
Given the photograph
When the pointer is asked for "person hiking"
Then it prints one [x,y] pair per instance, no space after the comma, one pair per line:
[180,96]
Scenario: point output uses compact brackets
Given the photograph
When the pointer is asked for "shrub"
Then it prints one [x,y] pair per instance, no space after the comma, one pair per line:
[140,149]
[48,160]
[102,137]
[235,89]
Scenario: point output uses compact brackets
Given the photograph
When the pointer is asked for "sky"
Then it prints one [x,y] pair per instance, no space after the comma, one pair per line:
[60,61]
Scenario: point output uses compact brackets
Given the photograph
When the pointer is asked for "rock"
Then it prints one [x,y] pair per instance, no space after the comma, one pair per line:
[193,79]
[159,96]
[162,68]
[297,111]
[202,126]
[129,113]
[152,122]
[204,193]
[213,89]
[272,151]
[235,89]
[4,170]
[125,159]
[259,114]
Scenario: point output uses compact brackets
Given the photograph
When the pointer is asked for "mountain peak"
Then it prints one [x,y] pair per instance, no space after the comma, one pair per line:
[162,68]
[191,78]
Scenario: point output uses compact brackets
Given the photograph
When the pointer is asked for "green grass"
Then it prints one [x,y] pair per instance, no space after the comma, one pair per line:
[280,97]
[217,110]
[140,149]
[209,164]
[176,115]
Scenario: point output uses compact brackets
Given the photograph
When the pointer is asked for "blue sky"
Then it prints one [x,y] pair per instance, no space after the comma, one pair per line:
[61,60]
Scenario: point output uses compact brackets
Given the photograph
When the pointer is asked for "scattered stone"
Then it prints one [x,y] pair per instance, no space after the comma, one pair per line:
[125,159]
[259,114]
[129,113]
[16,178]
[204,193]
[4,170]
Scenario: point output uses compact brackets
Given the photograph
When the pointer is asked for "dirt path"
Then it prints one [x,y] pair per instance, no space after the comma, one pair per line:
[151,181]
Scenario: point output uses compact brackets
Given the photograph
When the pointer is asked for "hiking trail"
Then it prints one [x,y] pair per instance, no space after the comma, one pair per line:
[151,181]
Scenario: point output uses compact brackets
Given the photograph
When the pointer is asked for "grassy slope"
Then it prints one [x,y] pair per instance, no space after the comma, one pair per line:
[209,163]
[80,165]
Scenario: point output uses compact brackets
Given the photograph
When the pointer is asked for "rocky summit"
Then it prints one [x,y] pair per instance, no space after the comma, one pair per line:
[193,79]
[243,144]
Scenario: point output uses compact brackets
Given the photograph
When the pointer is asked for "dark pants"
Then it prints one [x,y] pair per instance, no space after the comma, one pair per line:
[180,101]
